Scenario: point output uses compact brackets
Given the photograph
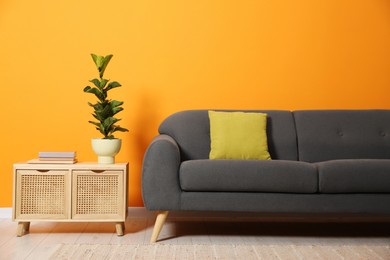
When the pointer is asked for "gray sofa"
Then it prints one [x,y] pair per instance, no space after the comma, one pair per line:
[323,162]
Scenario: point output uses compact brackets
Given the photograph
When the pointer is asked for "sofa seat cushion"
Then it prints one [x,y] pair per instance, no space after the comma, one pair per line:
[248,176]
[354,176]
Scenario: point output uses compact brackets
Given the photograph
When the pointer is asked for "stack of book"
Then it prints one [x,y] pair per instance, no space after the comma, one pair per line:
[55,157]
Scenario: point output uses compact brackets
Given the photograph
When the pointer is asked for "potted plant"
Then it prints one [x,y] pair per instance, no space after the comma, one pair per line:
[104,111]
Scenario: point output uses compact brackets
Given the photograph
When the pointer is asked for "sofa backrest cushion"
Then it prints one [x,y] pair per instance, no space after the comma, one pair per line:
[191,130]
[342,134]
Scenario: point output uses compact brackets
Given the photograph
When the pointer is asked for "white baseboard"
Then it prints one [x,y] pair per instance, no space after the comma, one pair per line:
[5,212]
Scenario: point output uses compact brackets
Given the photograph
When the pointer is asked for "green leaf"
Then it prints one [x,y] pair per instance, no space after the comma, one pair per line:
[87,88]
[98,60]
[112,85]
[103,132]
[96,106]
[105,112]
[115,103]
[120,129]
[105,62]
[94,123]
[100,127]
[95,59]
[116,110]
[94,115]
[115,106]
[98,117]
[95,91]
[96,82]
[103,83]
[101,62]
[108,122]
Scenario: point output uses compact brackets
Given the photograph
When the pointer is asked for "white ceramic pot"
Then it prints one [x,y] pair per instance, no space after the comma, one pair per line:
[106,149]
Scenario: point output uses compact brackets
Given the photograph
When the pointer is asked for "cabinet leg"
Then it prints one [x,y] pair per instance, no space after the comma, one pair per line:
[27,226]
[160,220]
[23,227]
[120,227]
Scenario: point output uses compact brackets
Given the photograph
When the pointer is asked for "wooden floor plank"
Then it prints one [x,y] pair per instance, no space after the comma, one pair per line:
[64,254]
[22,247]
[8,231]
[134,232]
[97,233]
[189,238]
[62,233]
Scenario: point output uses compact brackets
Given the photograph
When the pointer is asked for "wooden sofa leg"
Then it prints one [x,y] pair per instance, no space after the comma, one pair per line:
[160,220]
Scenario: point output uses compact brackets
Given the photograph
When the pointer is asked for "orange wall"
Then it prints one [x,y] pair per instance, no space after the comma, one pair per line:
[173,55]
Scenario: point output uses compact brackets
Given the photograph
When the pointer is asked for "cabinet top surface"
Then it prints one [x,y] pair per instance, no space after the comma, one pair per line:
[79,165]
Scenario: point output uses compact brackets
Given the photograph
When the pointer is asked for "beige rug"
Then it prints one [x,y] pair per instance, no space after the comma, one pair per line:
[202,252]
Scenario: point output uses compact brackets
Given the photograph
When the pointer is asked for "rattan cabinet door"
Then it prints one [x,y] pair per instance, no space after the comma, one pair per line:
[98,195]
[42,194]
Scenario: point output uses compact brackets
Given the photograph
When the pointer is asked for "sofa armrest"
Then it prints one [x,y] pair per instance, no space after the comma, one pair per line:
[160,174]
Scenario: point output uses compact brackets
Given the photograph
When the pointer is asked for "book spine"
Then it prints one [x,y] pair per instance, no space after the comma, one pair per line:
[57,154]
[57,158]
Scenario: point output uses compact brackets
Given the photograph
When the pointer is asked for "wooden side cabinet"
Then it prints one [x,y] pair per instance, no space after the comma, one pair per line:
[78,192]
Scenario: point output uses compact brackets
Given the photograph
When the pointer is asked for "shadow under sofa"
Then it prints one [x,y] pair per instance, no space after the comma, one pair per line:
[323,162]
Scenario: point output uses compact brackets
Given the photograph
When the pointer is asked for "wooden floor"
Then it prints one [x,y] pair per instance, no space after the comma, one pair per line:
[45,237]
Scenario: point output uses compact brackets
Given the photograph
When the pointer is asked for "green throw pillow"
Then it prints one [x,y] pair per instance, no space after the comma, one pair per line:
[238,135]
